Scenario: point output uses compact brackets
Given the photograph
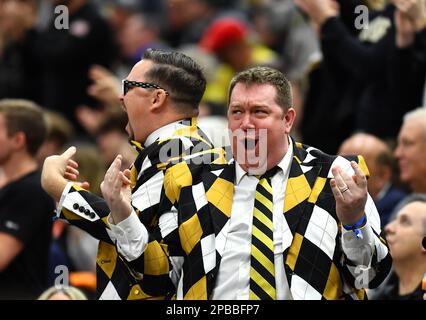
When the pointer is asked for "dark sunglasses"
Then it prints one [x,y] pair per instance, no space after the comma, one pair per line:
[127,85]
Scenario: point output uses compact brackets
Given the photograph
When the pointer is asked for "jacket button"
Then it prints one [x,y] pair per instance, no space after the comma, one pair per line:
[75,206]
[81,209]
[92,215]
[87,212]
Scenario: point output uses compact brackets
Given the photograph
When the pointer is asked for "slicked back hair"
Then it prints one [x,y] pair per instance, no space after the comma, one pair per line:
[181,76]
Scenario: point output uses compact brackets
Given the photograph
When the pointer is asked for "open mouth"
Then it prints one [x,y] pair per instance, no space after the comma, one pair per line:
[250,143]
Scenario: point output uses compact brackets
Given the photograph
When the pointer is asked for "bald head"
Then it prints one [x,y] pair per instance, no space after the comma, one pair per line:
[377,155]
[365,144]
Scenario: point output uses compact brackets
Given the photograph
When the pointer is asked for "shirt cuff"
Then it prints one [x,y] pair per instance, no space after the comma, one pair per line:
[63,196]
[359,247]
[131,235]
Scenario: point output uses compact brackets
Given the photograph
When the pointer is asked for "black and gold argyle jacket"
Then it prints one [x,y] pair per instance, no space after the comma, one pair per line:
[315,263]
[115,278]
[189,248]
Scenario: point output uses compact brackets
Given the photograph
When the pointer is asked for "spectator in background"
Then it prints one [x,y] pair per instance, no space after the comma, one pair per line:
[382,167]
[105,88]
[408,63]
[59,132]
[229,40]
[404,236]
[411,150]
[282,27]
[64,54]
[188,19]
[112,139]
[350,90]
[16,65]
[139,33]
[25,209]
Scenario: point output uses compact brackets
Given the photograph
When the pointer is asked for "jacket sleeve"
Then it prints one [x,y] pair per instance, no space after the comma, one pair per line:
[86,211]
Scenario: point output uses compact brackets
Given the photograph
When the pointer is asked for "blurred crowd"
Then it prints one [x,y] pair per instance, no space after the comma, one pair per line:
[357,68]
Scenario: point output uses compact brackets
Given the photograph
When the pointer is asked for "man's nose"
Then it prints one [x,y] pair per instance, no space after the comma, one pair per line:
[389,228]
[247,122]
[397,152]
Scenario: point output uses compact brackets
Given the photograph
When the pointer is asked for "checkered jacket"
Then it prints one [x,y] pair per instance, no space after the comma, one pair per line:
[187,245]
[116,279]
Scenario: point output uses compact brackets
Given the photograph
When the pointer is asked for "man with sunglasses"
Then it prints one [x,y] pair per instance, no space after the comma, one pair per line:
[160,96]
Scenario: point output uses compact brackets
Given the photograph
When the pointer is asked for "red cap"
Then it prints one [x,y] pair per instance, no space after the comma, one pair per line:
[222,33]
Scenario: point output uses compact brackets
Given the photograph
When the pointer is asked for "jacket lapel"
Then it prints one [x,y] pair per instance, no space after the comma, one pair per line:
[219,187]
[303,186]
[303,174]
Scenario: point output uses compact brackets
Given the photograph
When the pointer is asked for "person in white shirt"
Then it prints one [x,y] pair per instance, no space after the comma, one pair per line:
[318,232]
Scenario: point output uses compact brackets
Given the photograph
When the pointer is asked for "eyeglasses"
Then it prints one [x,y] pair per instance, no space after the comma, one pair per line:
[127,85]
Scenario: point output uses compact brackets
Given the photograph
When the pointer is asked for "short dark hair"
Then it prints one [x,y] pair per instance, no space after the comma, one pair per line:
[27,117]
[266,75]
[181,76]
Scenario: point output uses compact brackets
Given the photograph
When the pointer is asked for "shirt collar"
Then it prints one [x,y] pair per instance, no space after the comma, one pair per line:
[162,133]
[284,164]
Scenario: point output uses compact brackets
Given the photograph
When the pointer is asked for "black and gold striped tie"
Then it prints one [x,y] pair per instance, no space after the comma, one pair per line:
[262,270]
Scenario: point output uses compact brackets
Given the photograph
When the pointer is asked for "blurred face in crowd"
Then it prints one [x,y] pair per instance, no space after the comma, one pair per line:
[411,154]
[136,104]
[182,12]
[259,126]
[110,144]
[405,233]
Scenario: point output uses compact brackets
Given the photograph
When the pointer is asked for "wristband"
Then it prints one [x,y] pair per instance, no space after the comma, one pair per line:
[356,226]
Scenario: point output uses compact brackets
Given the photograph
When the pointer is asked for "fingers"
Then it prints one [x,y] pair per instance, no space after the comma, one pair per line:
[111,186]
[70,176]
[71,170]
[71,173]
[336,191]
[113,170]
[341,178]
[125,179]
[71,163]
[360,178]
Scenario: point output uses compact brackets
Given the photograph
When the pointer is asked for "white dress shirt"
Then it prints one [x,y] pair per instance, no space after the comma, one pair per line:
[234,271]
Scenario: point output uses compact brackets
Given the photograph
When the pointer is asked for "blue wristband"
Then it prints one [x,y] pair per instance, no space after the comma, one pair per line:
[360,223]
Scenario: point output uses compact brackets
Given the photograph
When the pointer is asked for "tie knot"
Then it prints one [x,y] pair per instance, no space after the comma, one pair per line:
[270,173]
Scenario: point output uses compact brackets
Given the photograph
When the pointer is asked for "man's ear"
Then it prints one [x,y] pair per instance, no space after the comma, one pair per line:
[289,118]
[158,100]
[19,140]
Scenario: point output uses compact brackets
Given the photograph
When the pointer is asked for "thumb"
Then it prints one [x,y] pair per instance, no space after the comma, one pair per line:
[69,153]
